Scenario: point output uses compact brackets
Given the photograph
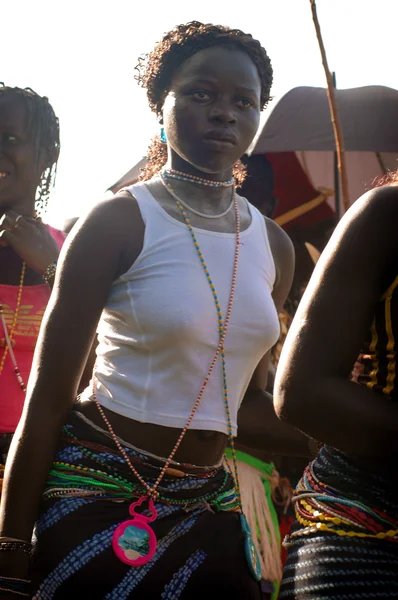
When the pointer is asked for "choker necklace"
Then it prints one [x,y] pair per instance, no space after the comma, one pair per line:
[192,210]
[173,174]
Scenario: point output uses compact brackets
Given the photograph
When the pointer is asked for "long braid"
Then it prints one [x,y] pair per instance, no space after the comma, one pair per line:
[43,125]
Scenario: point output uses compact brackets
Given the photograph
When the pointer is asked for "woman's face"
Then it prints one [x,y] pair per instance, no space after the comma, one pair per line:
[19,169]
[212,110]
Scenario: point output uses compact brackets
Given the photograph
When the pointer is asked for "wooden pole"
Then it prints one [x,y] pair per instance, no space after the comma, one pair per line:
[336,173]
[334,113]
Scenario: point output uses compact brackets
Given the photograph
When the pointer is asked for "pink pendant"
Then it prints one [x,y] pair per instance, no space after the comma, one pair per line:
[134,542]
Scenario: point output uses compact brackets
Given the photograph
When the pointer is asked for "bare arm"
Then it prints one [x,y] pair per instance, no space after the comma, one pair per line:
[102,245]
[259,427]
[312,388]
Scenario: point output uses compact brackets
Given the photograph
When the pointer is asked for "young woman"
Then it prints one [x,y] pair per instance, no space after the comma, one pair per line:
[185,279]
[345,542]
[29,148]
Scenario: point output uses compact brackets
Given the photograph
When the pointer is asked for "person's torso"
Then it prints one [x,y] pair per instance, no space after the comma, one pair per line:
[159,330]
[33,302]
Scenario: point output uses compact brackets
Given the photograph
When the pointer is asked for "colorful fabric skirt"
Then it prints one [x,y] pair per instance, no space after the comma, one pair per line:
[344,544]
[200,542]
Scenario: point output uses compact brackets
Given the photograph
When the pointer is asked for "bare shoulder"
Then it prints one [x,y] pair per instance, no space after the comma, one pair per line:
[366,234]
[281,244]
[385,197]
[112,227]
[283,254]
[117,212]
[378,207]
[281,247]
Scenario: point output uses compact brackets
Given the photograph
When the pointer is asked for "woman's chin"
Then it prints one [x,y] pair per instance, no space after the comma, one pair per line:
[214,165]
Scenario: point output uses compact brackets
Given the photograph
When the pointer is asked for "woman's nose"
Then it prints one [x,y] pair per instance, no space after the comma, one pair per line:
[223,114]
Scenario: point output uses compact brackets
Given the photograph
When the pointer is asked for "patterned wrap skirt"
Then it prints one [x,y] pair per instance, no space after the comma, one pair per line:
[200,542]
[345,543]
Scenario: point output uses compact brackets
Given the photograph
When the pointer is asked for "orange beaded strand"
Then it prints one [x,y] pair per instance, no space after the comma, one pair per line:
[152,491]
[9,336]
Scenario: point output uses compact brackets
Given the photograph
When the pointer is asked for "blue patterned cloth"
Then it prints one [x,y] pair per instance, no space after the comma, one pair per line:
[200,547]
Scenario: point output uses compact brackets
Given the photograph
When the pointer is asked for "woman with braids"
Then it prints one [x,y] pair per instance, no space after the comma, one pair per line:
[29,148]
[345,542]
[127,486]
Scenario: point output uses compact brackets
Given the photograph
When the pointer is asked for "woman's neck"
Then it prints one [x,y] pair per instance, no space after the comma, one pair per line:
[178,164]
[204,198]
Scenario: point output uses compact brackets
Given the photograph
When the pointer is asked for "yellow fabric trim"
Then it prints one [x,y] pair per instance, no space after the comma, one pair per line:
[391,354]
[303,209]
[390,290]
[372,349]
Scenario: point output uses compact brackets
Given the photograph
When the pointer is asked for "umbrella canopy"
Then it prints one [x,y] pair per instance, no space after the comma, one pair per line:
[300,120]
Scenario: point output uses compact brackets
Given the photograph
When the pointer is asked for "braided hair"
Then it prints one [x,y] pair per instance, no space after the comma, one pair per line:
[156,70]
[43,126]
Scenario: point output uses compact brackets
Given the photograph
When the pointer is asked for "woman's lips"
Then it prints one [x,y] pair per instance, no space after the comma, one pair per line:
[222,137]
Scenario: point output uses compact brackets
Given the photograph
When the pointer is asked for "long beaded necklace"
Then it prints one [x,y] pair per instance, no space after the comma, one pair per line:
[134,542]
[193,210]
[250,549]
[8,349]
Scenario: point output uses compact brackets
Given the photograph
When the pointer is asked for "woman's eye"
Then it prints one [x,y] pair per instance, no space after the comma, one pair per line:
[200,95]
[244,103]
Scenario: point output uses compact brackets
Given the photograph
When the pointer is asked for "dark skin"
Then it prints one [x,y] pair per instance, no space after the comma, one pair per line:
[20,171]
[29,240]
[313,390]
[58,367]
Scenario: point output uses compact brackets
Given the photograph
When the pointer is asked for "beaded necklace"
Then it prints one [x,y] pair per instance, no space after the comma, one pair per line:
[180,202]
[9,334]
[138,528]
[173,174]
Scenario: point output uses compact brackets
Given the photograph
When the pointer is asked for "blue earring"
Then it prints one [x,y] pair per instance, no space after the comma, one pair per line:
[163,137]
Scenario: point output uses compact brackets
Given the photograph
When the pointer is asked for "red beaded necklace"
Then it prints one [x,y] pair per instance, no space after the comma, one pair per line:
[138,526]
[136,532]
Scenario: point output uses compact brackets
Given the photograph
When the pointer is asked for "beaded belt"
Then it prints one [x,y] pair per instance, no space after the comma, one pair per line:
[69,480]
[321,508]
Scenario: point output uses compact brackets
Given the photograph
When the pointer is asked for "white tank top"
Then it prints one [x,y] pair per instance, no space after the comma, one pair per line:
[159,329]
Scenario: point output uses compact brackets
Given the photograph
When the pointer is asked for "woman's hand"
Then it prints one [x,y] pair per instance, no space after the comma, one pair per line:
[30,239]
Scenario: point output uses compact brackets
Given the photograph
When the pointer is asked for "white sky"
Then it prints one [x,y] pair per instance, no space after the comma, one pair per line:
[82,54]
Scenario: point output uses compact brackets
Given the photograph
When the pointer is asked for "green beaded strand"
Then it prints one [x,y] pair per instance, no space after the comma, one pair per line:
[223,361]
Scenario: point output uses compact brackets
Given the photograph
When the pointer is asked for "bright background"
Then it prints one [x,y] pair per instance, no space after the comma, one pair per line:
[82,54]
